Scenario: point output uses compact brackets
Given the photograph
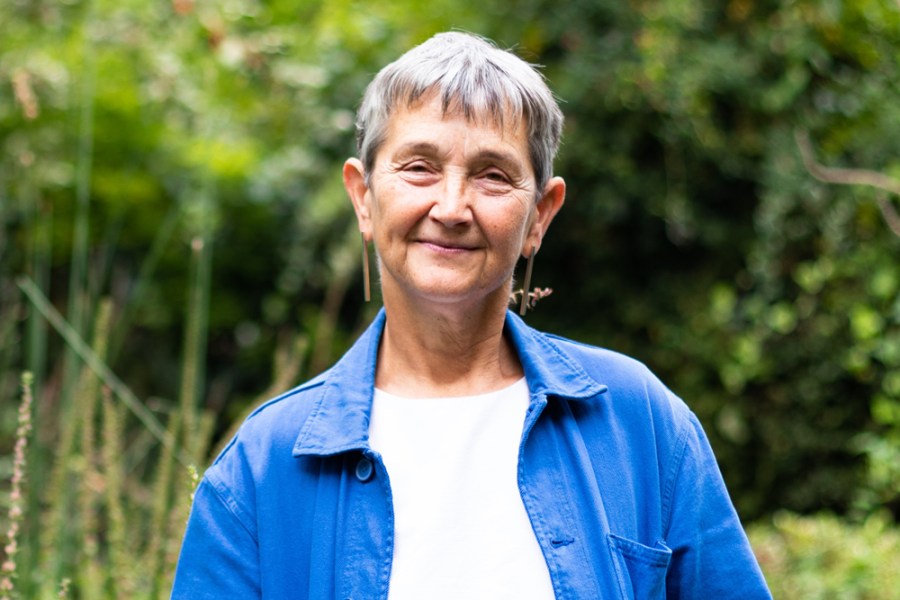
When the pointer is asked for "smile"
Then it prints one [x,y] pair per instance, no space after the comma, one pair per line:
[446,247]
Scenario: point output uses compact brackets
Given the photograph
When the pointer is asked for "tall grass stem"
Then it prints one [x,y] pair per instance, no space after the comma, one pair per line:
[106,375]
[77,302]
[87,469]
[148,268]
[111,464]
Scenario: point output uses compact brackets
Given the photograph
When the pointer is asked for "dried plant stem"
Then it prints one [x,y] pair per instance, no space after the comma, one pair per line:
[182,497]
[162,502]
[57,499]
[195,338]
[183,425]
[8,568]
[87,468]
[111,461]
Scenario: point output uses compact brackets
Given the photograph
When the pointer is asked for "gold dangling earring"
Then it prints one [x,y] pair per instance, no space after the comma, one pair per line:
[523,307]
[365,260]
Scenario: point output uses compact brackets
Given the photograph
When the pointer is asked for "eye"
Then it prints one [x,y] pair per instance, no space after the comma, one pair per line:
[419,172]
[417,166]
[494,180]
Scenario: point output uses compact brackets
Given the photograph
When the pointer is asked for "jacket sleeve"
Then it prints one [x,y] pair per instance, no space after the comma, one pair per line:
[219,556]
[711,555]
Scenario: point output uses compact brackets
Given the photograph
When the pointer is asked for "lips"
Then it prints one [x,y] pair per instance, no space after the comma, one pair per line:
[447,245]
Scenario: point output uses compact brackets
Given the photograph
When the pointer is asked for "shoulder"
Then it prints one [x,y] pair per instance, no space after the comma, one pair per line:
[619,372]
[635,396]
[273,427]
[602,362]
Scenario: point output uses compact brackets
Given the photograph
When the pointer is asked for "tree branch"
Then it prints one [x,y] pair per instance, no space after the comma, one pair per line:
[841,176]
[890,214]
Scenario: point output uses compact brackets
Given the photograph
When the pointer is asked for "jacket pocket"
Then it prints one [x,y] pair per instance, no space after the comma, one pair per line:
[641,570]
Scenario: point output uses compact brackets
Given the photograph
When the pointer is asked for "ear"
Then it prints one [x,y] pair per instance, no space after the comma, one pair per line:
[552,199]
[355,184]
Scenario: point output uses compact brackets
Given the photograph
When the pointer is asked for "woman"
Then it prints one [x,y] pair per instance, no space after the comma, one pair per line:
[454,452]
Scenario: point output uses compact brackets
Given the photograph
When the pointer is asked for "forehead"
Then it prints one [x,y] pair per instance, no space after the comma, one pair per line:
[430,119]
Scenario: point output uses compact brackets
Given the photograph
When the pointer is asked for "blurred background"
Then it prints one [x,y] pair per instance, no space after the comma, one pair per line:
[176,247]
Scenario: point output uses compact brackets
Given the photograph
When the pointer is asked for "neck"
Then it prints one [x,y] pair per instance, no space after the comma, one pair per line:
[445,350]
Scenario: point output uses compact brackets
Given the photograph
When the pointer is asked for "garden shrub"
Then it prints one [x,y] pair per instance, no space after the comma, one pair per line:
[825,557]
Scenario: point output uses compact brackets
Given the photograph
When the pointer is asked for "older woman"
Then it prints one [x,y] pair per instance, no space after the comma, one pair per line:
[454,452]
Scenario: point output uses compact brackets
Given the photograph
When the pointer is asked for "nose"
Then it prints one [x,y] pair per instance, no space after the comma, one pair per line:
[452,205]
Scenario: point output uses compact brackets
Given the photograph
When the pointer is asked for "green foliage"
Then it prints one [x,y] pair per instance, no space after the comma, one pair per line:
[822,557]
[696,239]
[179,165]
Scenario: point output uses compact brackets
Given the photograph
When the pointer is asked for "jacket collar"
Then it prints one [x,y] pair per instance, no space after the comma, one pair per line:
[340,420]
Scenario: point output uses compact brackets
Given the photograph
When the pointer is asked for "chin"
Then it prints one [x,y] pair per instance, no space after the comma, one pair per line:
[472,296]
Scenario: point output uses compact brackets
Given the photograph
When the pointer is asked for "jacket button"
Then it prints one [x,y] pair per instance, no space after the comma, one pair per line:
[364,469]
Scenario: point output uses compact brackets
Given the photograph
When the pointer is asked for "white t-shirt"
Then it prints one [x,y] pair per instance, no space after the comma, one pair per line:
[460,528]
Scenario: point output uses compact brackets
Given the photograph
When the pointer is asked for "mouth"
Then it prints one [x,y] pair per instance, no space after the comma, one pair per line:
[446,246]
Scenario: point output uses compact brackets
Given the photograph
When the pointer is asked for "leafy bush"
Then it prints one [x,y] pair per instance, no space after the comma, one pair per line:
[824,557]
[180,163]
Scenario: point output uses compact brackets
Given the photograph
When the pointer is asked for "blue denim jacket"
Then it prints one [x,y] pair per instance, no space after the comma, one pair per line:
[615,472]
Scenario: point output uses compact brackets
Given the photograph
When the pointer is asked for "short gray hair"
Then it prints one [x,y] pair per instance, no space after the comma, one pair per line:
[472,76]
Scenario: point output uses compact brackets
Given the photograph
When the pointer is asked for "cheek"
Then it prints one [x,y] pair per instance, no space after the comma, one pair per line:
[395,209]
[511,225]
[509,242]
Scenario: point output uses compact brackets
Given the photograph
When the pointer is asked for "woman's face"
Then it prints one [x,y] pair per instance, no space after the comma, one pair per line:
[451,205]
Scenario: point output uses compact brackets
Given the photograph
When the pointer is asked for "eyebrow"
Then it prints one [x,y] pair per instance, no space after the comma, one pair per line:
[426,148]
[505,159]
